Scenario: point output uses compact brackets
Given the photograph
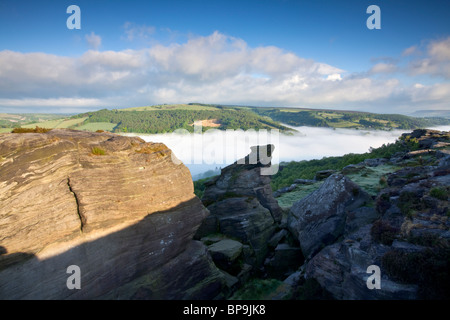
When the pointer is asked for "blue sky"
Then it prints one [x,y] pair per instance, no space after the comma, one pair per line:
[269,52]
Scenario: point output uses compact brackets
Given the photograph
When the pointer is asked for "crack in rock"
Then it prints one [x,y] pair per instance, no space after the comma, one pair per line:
[80,215]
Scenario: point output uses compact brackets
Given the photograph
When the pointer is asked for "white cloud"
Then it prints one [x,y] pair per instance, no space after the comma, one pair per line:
[138,32]
[436,62]
[383,68]
[334,77]
[59,102]
[94,41]
[432,93]
[440,50]
[211,69]
[410,51]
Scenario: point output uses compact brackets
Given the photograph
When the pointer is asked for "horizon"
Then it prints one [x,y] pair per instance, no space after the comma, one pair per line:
[273,53]
[231,106]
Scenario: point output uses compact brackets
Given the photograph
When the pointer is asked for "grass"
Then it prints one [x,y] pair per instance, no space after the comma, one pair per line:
[439,193]
[47,124]
[98,151]
[56,124]
[307,169]
[372,179]
[330,115]
[343,124]
[68,123]
[287,199]
[95,126]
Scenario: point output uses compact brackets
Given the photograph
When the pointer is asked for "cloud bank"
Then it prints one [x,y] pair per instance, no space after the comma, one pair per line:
[221,148]
[217,69]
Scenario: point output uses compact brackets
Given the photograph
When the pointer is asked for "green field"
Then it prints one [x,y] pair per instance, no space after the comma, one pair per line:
[56,124]
[94,126]
[344,124]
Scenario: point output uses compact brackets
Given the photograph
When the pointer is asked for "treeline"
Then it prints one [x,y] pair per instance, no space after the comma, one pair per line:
[301,118]
[162,121]
[307,169]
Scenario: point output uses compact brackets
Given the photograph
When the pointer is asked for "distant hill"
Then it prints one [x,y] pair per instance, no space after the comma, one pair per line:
[169,117]
[348,119]
[432,113]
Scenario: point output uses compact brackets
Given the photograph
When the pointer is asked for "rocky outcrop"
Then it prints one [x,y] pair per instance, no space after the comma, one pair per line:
[115,206]
[319,219]
[242,206]
[341,269]
[406,233]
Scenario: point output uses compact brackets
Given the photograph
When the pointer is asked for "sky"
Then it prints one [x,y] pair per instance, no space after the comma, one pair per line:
[278,53]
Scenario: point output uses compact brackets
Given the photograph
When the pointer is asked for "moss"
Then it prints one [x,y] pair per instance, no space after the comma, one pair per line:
[152,148]
[30,130]
[439,193]
[287,199]
[98,151]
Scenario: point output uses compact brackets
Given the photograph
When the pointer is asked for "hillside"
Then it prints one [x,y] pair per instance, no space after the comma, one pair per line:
[9,120]
[347,119]
[167,118]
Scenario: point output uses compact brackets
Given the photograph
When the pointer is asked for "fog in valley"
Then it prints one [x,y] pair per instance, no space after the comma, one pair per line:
[217,149]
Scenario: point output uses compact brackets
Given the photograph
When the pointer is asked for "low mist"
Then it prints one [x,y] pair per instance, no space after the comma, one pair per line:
[216,148]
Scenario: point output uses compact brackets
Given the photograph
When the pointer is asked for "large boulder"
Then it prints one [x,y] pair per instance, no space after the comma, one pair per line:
[341,269]
[115,206]
[244,219]
[246,177]
[319,219]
